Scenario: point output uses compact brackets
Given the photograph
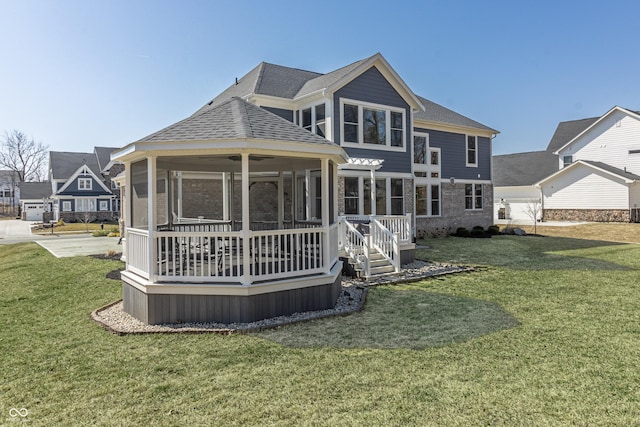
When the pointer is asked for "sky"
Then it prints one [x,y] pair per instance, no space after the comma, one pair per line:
[79,74]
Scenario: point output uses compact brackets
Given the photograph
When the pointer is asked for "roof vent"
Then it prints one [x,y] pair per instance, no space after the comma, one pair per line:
[236,81]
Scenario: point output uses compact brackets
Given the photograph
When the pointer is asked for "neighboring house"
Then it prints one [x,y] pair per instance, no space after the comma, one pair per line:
[35,200]
[250,207]
[81,187]
[593,170]
[9,189]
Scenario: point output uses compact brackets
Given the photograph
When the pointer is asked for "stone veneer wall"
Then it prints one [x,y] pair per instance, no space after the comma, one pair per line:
[454,214]
[591,215]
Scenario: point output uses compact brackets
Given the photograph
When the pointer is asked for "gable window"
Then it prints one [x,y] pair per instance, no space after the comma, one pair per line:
[472,151]
[314,119]
[567,160]
[372,124]
[473,196]
[84,183]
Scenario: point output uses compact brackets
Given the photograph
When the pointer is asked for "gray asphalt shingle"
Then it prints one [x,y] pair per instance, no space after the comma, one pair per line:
[439,114]
[521,169]
[64,164]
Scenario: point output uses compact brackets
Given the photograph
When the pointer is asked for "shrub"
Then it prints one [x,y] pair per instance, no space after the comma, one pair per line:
[60,223]
[494,229]
[477,230]
[100,233]
[462,232]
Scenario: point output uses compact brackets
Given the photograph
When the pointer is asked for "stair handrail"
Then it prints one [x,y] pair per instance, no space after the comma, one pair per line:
[386,242]
[356,246]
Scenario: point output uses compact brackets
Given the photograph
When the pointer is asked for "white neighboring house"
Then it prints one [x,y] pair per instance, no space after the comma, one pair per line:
[9,190]
[589,172]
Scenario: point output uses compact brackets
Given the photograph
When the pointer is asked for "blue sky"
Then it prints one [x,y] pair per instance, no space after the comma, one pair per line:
[79,74]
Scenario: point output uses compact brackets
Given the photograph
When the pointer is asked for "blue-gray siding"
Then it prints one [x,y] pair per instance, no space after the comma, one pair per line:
[453,153]
[285,114]
[72,189]
[371,86]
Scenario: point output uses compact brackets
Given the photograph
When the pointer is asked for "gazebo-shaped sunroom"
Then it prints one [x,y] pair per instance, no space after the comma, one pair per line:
[231,216]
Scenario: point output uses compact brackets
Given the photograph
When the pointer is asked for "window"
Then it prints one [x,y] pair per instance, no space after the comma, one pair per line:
[428,200]
[473,196]
[114,185]
[373,124]
[351,195]
[104,205]
[420,149]
[472,151]
[435,157]
[567,160]
[85,205]
[366,195]
[381,196]
[84,183]
[66,206]
[314,119]
[397,196]
[435,200]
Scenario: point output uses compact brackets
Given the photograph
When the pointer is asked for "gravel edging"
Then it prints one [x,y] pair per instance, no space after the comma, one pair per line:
[352,299]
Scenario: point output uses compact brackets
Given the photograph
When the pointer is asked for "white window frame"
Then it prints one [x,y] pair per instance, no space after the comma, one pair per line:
[421,166]
[474,188]
[564,160]
[429,198]
[66,206]
[82,201]
[475,163]
[387,109]
[104,205]
[314,122]
[358,196]
[85,184]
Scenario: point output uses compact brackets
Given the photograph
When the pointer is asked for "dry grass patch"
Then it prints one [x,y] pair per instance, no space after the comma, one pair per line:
[609,232]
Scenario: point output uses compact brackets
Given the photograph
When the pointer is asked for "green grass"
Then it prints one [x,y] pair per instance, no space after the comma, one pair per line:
[546,333]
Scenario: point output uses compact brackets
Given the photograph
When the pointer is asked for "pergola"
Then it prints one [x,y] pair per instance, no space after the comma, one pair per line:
[231,216]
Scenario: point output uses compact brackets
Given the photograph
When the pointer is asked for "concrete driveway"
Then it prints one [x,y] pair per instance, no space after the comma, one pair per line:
[69,245]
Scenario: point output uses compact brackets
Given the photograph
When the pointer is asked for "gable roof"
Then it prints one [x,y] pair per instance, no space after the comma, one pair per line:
[235,119]
[567,132]
[83,170]
[103,156]
[437,113]
[293,83]
[34,190]
[522,169]
[64,164]
[622,174]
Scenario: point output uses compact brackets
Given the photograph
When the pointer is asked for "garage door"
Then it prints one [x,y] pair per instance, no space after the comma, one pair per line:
[34,212]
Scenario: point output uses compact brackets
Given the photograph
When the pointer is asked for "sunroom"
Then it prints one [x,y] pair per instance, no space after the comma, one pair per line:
[231,216]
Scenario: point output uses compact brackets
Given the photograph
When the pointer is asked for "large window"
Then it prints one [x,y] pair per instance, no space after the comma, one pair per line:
[420,149]
[372,124]
[351,195]
[472,151]
[473,196]
[84,183]
[85,205]
[381,196]
[435,200]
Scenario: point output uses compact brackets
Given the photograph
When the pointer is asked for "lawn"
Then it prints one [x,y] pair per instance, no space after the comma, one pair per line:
[546,332]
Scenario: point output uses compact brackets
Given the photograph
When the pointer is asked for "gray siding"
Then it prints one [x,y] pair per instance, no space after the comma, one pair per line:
[371,86]
[72,189]
[285,114]
[453,152]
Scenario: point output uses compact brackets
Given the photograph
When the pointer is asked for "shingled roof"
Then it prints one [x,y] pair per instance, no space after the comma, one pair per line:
[64,164]
[566,131]
[522,169]
[103,155]
[34,190]
[234,119]
[437,113]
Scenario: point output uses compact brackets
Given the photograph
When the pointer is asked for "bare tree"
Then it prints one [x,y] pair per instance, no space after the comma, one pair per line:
[86,218]
[533,211]
[24,156]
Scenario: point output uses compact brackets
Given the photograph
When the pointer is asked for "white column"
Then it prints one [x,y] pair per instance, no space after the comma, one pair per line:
[246,222]
[225,197]
[151,216]
[334,185]
[372,188]
[294,198]
[324,188]
[124,210]
[180,195]
[280,199]
[308,192]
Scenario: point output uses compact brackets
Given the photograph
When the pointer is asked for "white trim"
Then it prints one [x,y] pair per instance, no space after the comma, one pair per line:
[582,163]
[369,105]
[596,123]
[466,151]
[83,170]
[451,128]
[473,197]
[465,181]
[84,186]
[150,288]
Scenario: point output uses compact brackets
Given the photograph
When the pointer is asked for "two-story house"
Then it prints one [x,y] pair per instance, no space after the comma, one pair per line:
[81,187]
[268,189]
[590,171]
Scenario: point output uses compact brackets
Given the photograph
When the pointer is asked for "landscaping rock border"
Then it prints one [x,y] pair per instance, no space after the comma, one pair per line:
[352,298]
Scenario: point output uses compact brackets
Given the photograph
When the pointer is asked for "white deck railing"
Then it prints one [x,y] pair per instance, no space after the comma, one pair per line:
[138,251]
[400,224]
[231,256]
[386,243]
[356,246]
